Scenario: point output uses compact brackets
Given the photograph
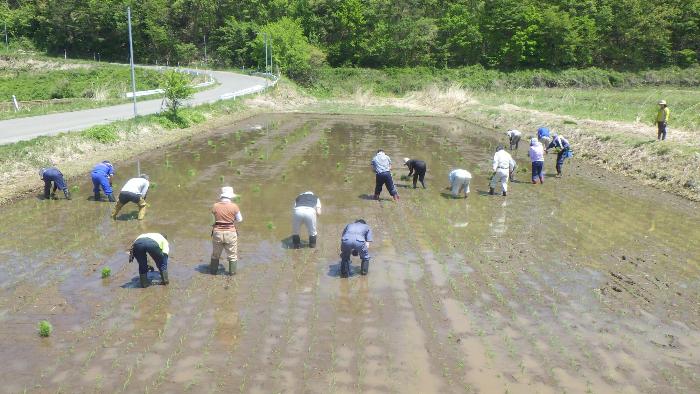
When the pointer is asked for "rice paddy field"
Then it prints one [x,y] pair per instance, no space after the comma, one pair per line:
[588,283]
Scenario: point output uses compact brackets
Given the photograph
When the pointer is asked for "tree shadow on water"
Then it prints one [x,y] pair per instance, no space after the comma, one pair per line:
[288,244]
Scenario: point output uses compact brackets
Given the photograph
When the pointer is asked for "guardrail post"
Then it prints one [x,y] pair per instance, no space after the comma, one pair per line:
[14,100]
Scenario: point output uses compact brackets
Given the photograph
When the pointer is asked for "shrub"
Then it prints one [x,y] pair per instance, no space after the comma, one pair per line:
[104,134]
[45,328]
[106,272]
[64,89]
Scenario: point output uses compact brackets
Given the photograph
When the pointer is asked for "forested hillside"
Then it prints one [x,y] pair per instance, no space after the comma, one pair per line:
[502,34]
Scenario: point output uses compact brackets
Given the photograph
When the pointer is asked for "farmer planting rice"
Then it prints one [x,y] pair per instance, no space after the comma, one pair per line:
[306,207]
[513,138]
[543,136]
[155,245]
[417,168]
[53,177]
[355,240]
[101,176]
[459,181]
[381,163]
[536,154]
[224,235]
[563,149]
[503,167]
[135,191]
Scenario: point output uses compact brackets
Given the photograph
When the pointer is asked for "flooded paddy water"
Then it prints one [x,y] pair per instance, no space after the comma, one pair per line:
[583,284]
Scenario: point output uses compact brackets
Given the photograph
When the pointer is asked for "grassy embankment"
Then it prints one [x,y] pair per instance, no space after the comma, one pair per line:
[608,116]
[46,85]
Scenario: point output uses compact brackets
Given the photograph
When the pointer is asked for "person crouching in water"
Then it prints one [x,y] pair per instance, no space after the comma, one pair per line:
[135,191]
[459,181]
[306,207]
[102,175]
[381,163]
[514,138]
[417,168]
[355,240]
[52,175]
[563,149]
[536,154]
[503,167]
[224,235]
[154,245]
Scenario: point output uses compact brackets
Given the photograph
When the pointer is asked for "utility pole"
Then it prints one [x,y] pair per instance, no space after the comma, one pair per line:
[65,54]
[205,49]
[131,60]
[7,45]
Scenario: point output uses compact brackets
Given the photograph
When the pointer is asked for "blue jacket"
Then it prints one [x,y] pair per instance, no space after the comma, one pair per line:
[357,232]
[559,142]
[50,173]
[542,132]
[103,169]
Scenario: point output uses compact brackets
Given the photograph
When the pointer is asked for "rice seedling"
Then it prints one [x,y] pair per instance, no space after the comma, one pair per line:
[221,179]
[45,328]
[238,171]
[197,156]
[106,272]
[256,189]
[191,172]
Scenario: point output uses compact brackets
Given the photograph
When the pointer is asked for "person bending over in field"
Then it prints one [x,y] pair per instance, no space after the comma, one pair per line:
[459,181]
[155,245]
[355,240]
[306,208]
[381,163]
[52,175]
[417,168]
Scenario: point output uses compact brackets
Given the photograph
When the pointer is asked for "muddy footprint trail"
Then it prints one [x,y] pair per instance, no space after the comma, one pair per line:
[583,284]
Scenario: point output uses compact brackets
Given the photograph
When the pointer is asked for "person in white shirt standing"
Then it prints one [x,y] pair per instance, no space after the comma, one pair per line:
[503,166]
[514,138]
[135,191]
[459,180]
[306,206]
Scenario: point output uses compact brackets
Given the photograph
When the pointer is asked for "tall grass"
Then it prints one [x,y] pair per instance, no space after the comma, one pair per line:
[398,81]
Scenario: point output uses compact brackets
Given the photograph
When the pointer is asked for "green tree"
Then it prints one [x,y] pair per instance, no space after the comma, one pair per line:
[177,90]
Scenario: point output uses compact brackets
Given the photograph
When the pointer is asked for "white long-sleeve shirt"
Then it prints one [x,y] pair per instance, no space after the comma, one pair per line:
[136,186]
[503,160]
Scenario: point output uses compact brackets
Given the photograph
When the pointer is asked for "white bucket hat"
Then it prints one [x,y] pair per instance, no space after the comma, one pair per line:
[405,160]
[227,192]
[662,102]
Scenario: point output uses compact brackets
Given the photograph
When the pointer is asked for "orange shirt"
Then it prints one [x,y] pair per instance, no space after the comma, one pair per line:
[225,216]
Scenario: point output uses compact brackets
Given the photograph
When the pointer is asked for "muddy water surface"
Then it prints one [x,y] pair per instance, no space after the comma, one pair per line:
[583,284]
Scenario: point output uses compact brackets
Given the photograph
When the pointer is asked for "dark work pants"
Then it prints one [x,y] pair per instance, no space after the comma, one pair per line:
[58,183]
[419,175]
[661,135]
[537,170]
[560,159]
[382,179]
[146,246]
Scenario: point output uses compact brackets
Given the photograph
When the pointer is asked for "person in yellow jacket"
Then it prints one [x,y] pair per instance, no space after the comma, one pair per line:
[662,119]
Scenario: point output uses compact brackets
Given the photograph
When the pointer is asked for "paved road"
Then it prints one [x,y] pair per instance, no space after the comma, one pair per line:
[13,130]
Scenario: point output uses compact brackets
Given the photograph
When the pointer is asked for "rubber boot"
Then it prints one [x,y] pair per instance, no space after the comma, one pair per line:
[67,194]
[491,191]
[504,193]
[296,242]
[143,279]
[312,241]
[344,268]
[364,268]
[97,196]
[232,266]
[164,277]
[142,212]
[214,266]
[110,197]
[116,209]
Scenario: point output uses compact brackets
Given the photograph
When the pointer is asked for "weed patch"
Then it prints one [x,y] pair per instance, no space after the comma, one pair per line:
[104,134]
[45,328]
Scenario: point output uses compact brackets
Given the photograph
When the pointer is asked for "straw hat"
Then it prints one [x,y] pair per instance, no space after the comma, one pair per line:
[227,192]
[662,102]
[405,160]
